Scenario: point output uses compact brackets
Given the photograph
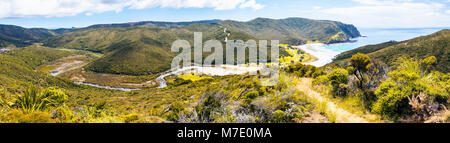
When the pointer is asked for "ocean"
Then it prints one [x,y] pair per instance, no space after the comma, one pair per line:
[376,36]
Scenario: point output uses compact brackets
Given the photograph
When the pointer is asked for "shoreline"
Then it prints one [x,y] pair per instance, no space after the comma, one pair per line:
[324,55]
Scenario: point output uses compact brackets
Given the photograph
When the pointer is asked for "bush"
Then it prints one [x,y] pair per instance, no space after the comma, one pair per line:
[430,60]
[63,114]
[248,97]
[35,100]
[360,64]
[17,116]
[397,96]
[131,118]
[321,80]
[210,109]
[392,100]
[175,110]
[338,79]
[279,116]
[302,70]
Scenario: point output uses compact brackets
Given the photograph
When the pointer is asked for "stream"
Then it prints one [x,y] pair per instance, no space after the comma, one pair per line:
[105,87]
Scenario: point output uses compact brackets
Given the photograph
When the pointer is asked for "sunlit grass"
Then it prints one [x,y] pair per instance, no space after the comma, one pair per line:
[194,78]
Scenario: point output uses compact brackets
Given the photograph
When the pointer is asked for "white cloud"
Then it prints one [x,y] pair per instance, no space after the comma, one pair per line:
[251,4]
[400,13]
[371,2]
[50,8]
[216,4]
[317,7]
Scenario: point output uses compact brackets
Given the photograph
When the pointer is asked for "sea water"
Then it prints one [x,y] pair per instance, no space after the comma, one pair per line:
[377,35]
[326,52]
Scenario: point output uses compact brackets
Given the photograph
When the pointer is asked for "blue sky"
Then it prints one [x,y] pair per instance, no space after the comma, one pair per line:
[362,13]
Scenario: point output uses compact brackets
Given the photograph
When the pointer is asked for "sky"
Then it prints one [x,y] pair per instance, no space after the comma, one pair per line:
[361,13]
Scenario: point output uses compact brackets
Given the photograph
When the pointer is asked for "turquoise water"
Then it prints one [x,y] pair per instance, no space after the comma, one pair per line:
[376,36]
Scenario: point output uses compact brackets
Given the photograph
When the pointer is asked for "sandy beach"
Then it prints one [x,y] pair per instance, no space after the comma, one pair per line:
[318,50]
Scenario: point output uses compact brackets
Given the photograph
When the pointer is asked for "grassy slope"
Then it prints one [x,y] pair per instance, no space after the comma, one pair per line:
[136,50]
[18,70]
[294,30]
[19,36]
[144,51]
[17,73]
[436,44]
[364,50]
[18,67]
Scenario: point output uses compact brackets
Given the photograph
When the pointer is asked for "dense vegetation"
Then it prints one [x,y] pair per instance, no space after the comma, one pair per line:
[393,82]
[295,31]
[12,36]
[28,95]
[135,49]
[436,44]
[364,50]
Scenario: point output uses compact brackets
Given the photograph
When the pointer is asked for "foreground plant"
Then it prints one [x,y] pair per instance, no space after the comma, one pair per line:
[411,91]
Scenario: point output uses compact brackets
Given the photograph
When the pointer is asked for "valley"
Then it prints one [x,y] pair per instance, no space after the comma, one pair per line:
[121,73]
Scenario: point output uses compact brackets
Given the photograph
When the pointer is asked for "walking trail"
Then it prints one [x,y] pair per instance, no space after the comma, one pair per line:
[342,116]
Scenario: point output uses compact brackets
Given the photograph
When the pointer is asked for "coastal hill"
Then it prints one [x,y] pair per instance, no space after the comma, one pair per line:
[436,44]
[148,24]
[296,31]
[139,50]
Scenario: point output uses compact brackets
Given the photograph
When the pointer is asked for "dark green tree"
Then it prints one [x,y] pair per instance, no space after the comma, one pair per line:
[360,64]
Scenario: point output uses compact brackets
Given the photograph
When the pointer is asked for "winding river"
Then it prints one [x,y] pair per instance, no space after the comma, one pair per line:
[325,53]
[106,87]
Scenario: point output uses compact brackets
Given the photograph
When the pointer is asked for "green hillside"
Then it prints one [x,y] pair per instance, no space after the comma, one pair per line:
[436,44]
[139,50]
[84,104]
[295,31]
[18,67]
[108,39]
[364,50]
[11,35]
[136,50]
[148,24]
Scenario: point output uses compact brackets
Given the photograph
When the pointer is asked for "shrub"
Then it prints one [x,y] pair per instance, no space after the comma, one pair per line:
[248,97]
[17,116]
[131,118]
[318,73]
[56,96]
[430,60]
[360,64]
[392,100]
[302,70]
[211,106]
[447,117]
[63,114]
[397,96]
[279,116]
[321,80]
[338,79]
[35,100]
[175,110]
